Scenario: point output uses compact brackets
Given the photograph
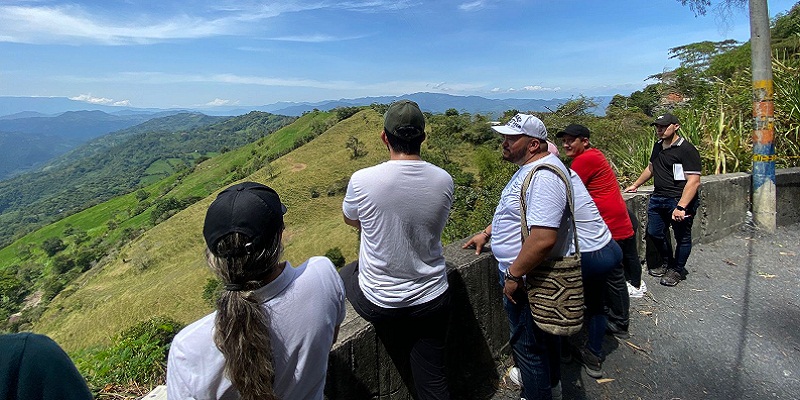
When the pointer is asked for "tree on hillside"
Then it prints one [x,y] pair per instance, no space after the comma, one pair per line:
[358,147]
[53,245]
[689,80]
[647,100]
[343,113]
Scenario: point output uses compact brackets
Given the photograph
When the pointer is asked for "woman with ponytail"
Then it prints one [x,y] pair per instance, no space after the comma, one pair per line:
[274,324]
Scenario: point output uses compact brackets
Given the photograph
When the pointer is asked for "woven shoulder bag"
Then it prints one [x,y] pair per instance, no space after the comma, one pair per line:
[555,287]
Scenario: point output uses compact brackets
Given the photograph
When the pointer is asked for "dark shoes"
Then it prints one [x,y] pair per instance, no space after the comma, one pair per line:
[614,329]
[658,271]
[672,277]
[591,363]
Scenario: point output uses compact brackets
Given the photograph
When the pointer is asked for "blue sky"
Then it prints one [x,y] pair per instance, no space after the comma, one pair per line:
[168,53]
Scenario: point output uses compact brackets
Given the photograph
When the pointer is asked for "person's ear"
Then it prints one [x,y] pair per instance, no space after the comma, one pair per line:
[383,138]
[530,144]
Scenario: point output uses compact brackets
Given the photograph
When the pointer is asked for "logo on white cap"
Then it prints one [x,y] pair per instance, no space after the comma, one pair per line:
[523,124]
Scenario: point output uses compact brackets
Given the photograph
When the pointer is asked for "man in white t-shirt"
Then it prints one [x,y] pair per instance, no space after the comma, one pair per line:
[399,282]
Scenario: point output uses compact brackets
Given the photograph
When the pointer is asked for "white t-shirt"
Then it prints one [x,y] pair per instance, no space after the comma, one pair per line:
[593,233]
[402,206]
[305,305]
[546,202]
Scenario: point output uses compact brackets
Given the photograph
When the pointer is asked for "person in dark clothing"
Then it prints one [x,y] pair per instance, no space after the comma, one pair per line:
[34,367]
[675,166]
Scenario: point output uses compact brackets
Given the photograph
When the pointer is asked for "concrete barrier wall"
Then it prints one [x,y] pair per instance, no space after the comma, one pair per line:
[478,336]
[788,195]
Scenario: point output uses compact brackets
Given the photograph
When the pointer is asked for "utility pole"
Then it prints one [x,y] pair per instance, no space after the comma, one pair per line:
[764,203]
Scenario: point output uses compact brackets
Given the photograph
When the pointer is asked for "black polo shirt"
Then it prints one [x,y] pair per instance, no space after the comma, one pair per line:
[671,165]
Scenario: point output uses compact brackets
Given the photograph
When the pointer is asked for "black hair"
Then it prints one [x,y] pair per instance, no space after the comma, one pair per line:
[406,146]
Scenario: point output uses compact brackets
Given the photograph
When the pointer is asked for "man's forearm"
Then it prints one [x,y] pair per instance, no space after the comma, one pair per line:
[689,190]
[352,222]
[643,177]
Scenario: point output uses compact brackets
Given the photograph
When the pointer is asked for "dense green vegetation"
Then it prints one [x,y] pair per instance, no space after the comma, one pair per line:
[134,362]
[110,268]
[49,259]
[29,142]
[121,162]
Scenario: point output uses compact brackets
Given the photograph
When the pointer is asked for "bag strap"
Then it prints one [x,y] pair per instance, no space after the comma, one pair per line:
[524,207]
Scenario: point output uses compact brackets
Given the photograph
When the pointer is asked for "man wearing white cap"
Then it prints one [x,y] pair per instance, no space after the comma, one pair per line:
[536,353]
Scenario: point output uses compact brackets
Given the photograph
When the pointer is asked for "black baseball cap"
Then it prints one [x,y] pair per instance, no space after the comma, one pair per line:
[248,208]
[666,120]
[576,130]
[404,119]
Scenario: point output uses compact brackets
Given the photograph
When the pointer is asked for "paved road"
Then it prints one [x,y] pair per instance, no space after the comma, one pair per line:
[730,331]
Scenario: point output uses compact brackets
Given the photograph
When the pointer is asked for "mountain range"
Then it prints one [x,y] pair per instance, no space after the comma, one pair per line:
[35,130]
[20,107]
[31,138]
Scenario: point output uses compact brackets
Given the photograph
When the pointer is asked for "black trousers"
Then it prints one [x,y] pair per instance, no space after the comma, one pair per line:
[616,298]
[413,336]
[631,261]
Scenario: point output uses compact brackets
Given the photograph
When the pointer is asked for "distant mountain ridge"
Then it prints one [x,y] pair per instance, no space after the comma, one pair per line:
[430,102]
[31,138]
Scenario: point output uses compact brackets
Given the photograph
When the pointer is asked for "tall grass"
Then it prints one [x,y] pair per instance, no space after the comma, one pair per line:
[786,74]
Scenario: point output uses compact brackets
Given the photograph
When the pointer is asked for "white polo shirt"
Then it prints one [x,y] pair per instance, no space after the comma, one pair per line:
[305,305]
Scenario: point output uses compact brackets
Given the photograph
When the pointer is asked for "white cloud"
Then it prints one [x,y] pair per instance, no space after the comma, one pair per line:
[473,5]
[88,98]
[220,102]
[530,88]
[318,38]
[72,24]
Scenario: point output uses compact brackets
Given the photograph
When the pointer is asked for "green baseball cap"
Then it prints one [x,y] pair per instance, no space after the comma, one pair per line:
[404,119]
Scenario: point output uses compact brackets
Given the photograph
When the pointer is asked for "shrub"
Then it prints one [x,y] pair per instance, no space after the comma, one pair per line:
[338,187]
[142,195]
[51,287]
[62,263]
[53,245]
[135,363]
[211,291]
[336,257]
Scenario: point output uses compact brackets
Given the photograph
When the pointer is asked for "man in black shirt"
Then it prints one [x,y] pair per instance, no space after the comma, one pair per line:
[675,166]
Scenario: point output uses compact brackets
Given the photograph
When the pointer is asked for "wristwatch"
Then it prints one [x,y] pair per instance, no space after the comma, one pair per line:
[510,277]
[680,208]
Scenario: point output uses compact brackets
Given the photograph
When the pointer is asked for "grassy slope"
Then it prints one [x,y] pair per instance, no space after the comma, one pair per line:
[106,300]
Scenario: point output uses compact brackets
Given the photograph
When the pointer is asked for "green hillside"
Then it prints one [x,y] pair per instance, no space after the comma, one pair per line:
[121,162]
[162,272]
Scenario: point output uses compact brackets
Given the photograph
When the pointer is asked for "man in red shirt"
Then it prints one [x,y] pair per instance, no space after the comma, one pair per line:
[594,170]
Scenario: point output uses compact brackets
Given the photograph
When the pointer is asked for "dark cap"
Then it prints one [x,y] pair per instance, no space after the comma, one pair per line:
[248,208]
[666,120]
[404,119]
[576,130]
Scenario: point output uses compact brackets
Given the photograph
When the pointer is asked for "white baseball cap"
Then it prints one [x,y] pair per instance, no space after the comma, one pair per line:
[523,124]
